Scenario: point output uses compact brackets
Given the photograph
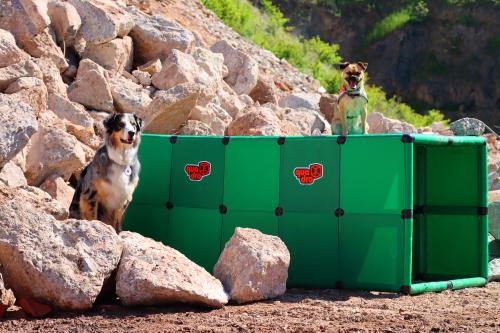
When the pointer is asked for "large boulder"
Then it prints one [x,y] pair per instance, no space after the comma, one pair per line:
[128,96]
[253,266]
[170,108]
[65,21]
[42,45]
[256,121]
[327,105]
[155,37]
[468,126]
[102,20]
[211,63]
[61,263]
[11,175]
[264,91]
[195,127]
[17,125]
[91,87]
[115,55]
[243,70]
[51,77]
[73,112]
[58,190]
[379,124]
[307,122]
[85,135]
[212,115]
[52,150]
[15,71]
[9,52]
[151,273]
[31,91]
[301,100]
[494,270]
[24,18]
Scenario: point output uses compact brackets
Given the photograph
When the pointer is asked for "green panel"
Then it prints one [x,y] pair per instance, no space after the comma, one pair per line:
[373,175]
[302,187]
[372,251]
[451,246]
[312,240]
[155,153]
[204,192]
[452,176]
[266,222]
[196,233]
[251,180]
[149,221]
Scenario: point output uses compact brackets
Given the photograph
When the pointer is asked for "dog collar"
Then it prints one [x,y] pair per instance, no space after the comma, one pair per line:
[359,92]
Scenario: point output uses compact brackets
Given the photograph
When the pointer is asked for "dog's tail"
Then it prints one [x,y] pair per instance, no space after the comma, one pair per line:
[74,208]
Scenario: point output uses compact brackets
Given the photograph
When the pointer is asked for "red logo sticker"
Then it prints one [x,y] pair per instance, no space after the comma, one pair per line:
[307,176]
[196,173]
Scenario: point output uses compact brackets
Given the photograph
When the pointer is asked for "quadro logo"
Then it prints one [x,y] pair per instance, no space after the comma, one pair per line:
[197,172]
[307,176]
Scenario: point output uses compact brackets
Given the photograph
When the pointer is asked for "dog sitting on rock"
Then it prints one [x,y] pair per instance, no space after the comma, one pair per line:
[350,110]
[107,183]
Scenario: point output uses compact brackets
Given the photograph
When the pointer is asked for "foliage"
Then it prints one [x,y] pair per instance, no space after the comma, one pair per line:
[267,28]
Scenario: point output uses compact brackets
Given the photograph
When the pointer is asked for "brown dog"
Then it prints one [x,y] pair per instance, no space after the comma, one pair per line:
[351,110]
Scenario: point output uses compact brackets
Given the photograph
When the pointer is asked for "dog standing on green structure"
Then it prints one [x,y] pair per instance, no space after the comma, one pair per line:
[351,110]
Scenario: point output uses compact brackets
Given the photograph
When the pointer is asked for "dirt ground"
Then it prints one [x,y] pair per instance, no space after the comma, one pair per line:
[468,310]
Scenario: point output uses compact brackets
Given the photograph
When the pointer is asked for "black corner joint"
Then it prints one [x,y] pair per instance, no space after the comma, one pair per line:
[222,209]
[482,211]
[278,211]
[338,285]
[169,205]
[339,212]
[281,140]
[450,140]
[173,139]
[407,214]
[225,140]
[407,138]
[405,290]
[418,210]
[341,139]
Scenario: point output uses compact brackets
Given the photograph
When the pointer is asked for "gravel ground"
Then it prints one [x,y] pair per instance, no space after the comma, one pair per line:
[468,310]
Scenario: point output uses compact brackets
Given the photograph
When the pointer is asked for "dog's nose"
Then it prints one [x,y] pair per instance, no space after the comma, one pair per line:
[131,133]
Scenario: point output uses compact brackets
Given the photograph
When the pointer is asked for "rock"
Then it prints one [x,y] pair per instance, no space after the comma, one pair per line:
[64,20]
[59,263]
[17,125]
[438,127]
[24,18]
[128,96]
[73,112]
[467,126]
[144,78]
[85,135]
[301,100]
[52,150]
[99,118]
[253,266]
[170,108]
[9,52]
[178,68]
[51,77]
[152,67]
[258,121]
[33,308]
[155,37]
[12,175]
[195,127]
[494,196]
[102,20]
[493,247]
[91,87]
[115,55]
[378,123]
[31,91]
[494,270]
[42,45]
[214,116]
[243,71]
[494,219]
[327,104]
[13,72]
[7,298]
[151,273]
[264,91]
[231,102]
[58,190]
[307,121]
[211,63]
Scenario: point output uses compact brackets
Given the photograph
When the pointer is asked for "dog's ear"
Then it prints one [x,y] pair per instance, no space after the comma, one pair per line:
[363,65]
[343,65]
[139,122]
[111,122]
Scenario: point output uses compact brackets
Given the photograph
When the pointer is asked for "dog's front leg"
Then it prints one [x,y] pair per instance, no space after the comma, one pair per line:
[88,208]
[345,128]
[118,216]
[363,119]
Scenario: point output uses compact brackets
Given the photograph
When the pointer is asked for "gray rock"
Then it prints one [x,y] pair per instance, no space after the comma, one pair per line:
[116,55]
[467,126]
[15,71]
[301,100]
[494,270]
[494,219]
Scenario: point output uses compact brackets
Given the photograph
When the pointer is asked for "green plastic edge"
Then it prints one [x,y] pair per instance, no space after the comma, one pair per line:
[420,288]
[483,183]
[429,139]
[408,223]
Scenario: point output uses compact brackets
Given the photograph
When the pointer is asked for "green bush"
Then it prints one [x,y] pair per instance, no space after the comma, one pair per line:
[267,28]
